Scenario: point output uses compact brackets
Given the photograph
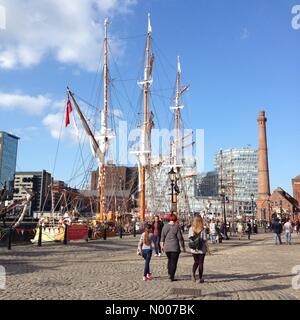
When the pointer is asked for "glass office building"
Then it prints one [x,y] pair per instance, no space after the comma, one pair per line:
[8,158]
[206,184]
[238,171]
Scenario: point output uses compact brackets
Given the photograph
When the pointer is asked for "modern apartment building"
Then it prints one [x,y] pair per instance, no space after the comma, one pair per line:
[37,182]
[8,159]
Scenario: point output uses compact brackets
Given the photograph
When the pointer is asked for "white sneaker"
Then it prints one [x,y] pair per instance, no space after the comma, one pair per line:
[156,255]
[159,254]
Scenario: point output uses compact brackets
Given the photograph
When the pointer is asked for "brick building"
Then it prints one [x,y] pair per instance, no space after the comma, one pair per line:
[283,204]
[296,188]
[121,186]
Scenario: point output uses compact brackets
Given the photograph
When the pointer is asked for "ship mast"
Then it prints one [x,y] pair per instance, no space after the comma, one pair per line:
[178,147]
[178,152]
[177,117]
[145,128]
[104,125]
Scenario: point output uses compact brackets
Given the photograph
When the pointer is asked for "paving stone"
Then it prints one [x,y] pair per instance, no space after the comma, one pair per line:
[236,270]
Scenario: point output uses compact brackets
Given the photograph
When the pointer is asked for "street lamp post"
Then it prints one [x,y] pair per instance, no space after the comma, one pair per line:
[174,190]
[252,206]
[120,226]
[223,196]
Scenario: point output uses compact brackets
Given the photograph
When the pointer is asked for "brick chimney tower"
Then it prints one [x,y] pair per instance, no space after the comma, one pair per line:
[263,207]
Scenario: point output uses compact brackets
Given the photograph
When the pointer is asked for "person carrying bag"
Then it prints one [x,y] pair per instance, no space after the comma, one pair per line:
[198,247]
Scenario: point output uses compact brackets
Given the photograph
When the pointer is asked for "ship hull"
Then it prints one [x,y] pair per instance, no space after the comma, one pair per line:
[52,234]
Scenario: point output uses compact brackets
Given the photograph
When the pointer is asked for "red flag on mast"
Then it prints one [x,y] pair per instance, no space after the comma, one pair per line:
[69,110]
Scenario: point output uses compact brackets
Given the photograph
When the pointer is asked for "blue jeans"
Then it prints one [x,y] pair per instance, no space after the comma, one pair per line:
[147,254]
[277,238]
[288,237]
[213,237]
[156,240]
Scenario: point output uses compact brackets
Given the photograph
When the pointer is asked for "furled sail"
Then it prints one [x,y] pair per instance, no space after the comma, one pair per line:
[98,149]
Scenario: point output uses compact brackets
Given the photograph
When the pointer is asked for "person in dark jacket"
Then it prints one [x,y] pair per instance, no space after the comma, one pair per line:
[157,227]
[277,230]
[248,229]
[223,231]
[255,227]
[171,240]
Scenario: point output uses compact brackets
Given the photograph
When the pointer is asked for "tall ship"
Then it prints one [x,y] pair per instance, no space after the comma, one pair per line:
[178,169]
[158,183]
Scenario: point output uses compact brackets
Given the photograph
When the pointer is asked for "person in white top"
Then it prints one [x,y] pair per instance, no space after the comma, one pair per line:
[145,247]
[240,230]
[213,232]
[288,228]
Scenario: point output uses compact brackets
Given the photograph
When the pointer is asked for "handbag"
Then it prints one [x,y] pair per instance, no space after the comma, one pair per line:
[195,242]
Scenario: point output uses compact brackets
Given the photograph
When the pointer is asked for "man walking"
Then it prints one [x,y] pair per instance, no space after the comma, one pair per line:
[288,228]
[277,229]
[248,229]
[157,228]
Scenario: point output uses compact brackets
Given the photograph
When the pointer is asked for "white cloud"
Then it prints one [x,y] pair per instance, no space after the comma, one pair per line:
[55,124]
[29,104]
[70,31]
[245,34]
[59,105]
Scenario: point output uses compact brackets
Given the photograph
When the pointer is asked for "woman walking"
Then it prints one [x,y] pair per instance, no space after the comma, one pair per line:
[145,249]
[171,240]
[198,231]
[240,230]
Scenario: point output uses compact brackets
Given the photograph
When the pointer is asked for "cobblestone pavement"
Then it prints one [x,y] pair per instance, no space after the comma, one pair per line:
[236,270]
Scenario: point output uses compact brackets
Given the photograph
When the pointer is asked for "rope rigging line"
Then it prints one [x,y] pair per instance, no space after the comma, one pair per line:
[58,145]
[131,37]
[122,82]
[98,73]
[160,62]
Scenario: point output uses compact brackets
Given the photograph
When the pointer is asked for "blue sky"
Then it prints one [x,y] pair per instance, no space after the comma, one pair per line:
[240,57]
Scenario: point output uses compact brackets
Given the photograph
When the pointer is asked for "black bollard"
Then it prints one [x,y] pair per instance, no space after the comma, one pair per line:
[10,237]
[134,230]
[66,235]
[40,236]
[121,231]
[104,232]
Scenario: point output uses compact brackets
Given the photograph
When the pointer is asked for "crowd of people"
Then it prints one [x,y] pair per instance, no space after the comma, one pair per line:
[167,238]
[286,226]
